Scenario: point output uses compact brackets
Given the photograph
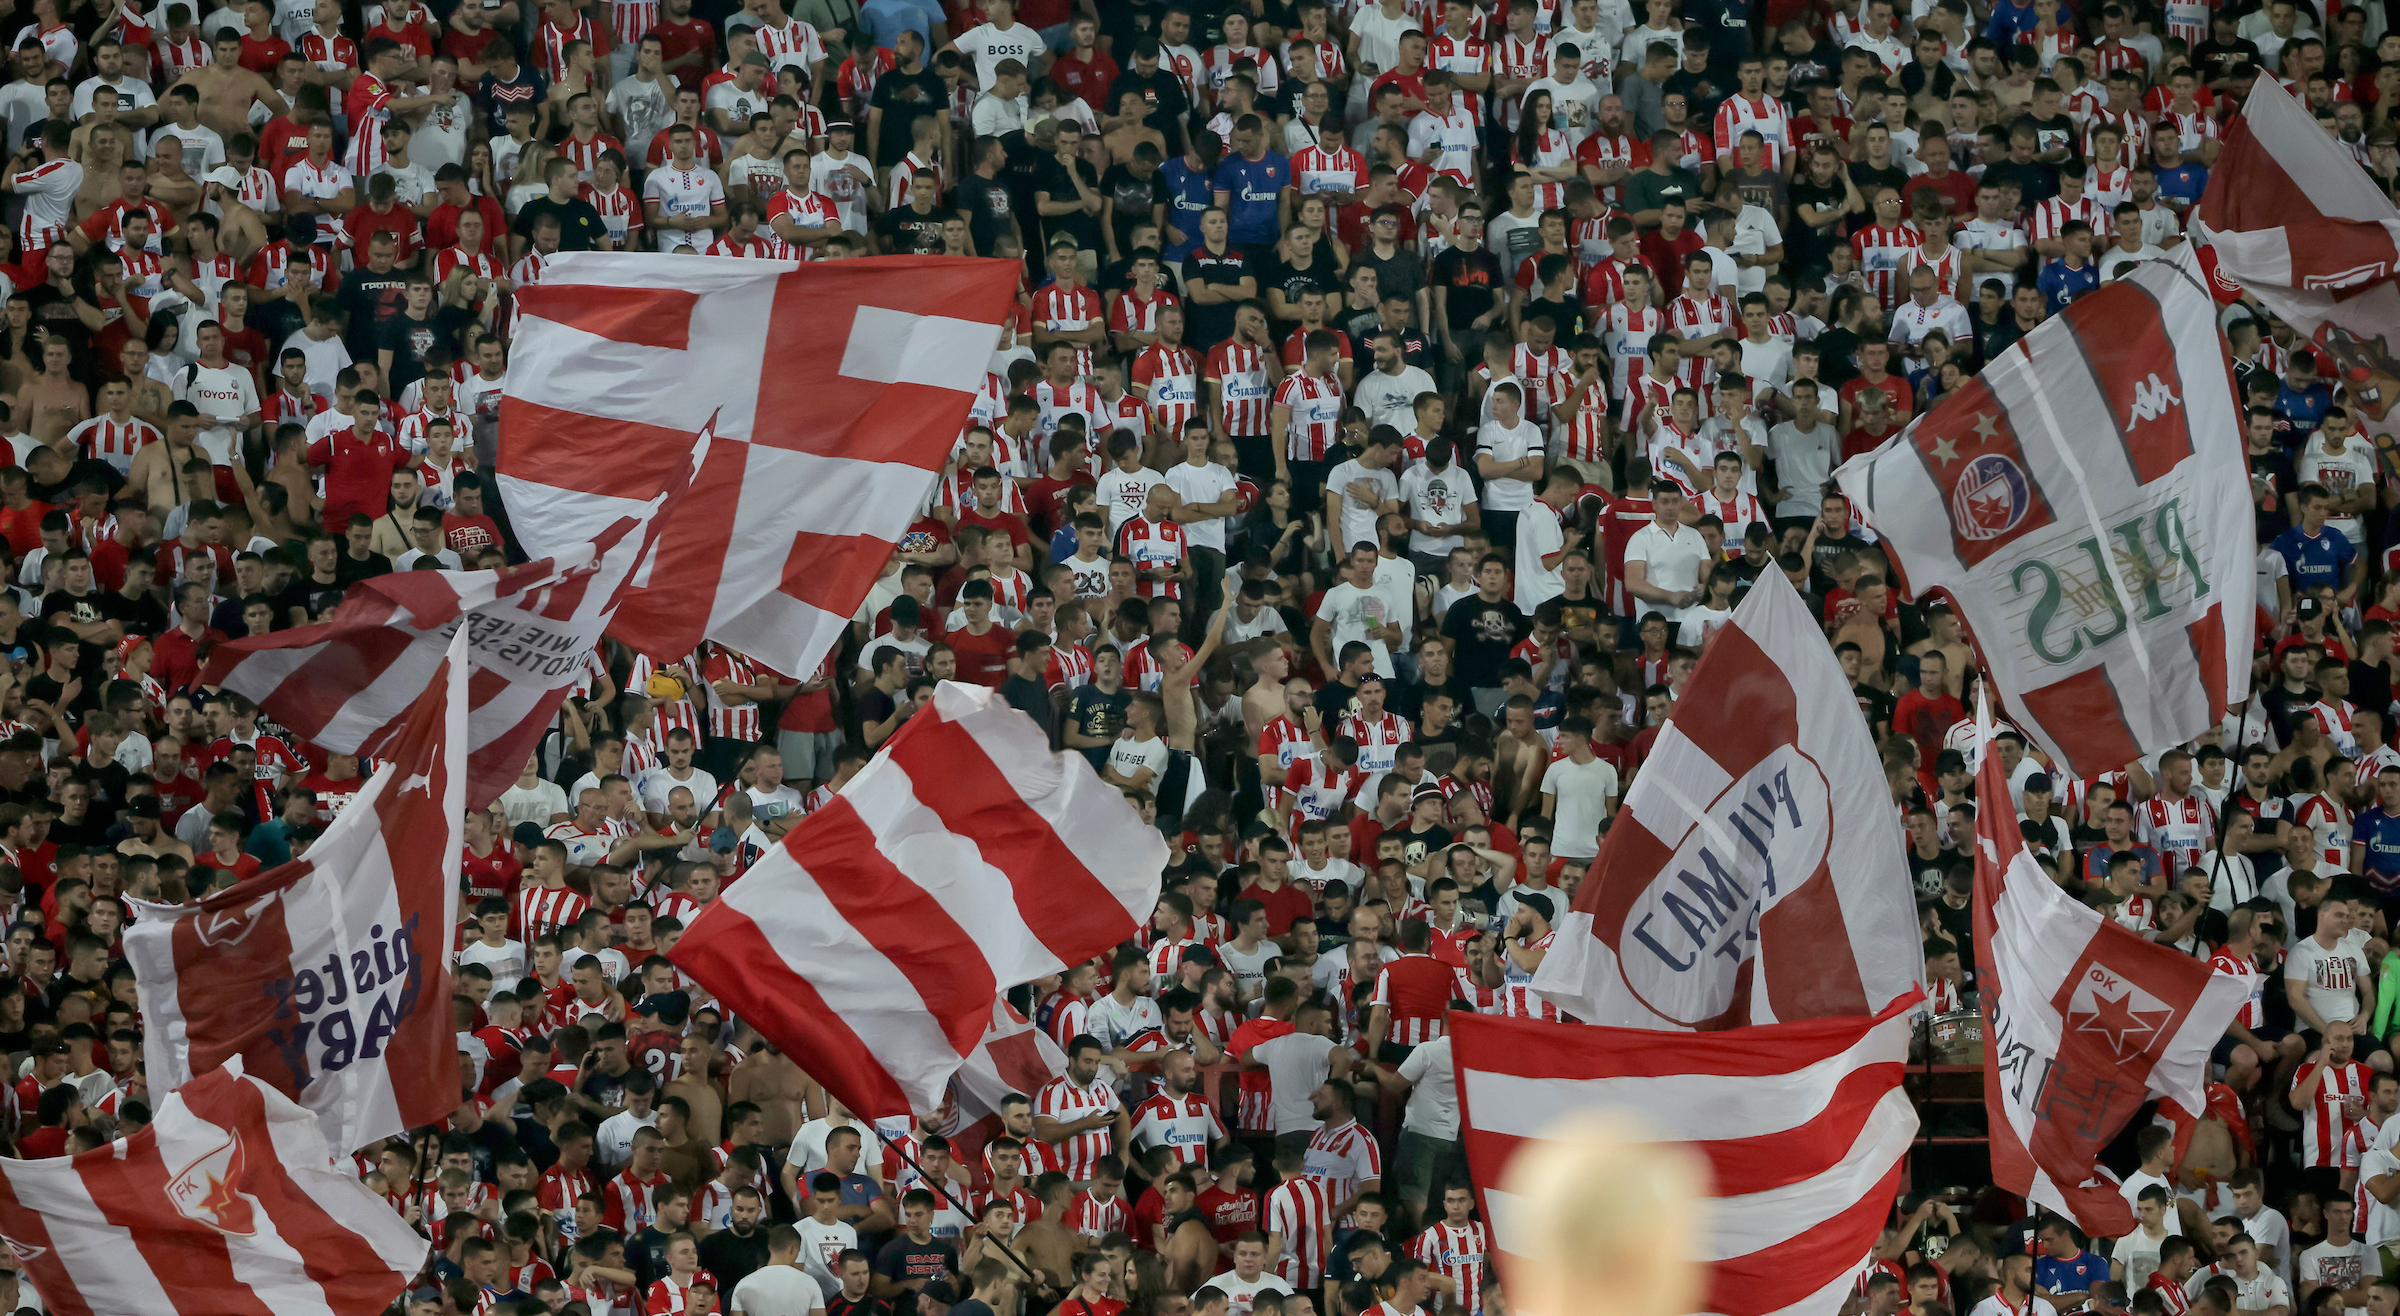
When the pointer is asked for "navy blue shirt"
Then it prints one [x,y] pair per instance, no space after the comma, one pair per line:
[1253,189]
[2299,412]
[1189,197]
[2074,1276]
[2062,284]
[2319,559]
[2183,184]
[2381,832]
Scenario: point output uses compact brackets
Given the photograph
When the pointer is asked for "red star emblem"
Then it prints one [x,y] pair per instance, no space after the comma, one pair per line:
[2127,1028]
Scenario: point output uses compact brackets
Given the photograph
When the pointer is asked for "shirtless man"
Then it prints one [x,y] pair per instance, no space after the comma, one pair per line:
[786,1098]
[227,90]
[101,144]
[1867,628]
[289,469]
[1946,641]
[52,402]
[141,815]
[150,396]
[172,185]
[158,470]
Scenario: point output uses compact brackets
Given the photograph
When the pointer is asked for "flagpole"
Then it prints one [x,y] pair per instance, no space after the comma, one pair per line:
[2241,735]
[943,1190]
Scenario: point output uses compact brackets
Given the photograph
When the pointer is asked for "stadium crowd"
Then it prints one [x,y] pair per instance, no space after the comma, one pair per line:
[1402,397]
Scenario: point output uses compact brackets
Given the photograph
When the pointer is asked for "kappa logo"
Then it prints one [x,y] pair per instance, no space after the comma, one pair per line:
[208,1191]
[229,927]
[2151,398]
[2108,1003]
[24,1252]
[1991,498]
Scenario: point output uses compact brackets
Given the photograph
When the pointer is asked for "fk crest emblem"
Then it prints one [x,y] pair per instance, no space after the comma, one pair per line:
[209,1189]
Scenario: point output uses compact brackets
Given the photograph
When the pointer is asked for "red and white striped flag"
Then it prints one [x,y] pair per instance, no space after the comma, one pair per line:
[328,978]
[227,1204]
[1014,1057]
[836,390]
[1803,1125]
[965,859]
[2083,1021]
[347,683]
[1750,877]
[2085,504]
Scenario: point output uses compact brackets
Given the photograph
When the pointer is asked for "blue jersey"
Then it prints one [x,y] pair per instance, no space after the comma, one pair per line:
[2052,1275]
[2061,283]
[2008,20]
[2182,185]
[2303,411]
[1189,197]
[2319,559]
[2380,832]
[1253,190]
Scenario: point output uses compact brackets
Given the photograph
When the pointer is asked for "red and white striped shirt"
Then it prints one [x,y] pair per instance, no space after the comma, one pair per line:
[2177,829]
[1166,960]
[2329,821]
[540,910]
[551,41]
[1172,374]
[1187,1125]
[1060,310]
[631,1203]
[804,210]
[1456,1253]
[1091,1217]
[1767,117]
[631,20]
[1060,1099]
[1077,399]
[1315,169]
[1299,1210]
[1315,402]
[1879,250]
[2254,1009]
[1134,313]
[1341,1157]
[557,1193]
[1070,666]
[1517,1000]
[1245,398]
[671,713]
[2322,1125]
[114,441]
[2057,212]
[1946,269]
[1151,544]
[730,721]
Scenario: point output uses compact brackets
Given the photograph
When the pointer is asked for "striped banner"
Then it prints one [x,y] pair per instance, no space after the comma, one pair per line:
[828,396]
[2085,504]
[965,859]
[227,1204]
[1803,1126]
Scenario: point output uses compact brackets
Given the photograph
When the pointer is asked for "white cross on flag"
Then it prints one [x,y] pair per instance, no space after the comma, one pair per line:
[2083,1022]
[2085,504]
[1748,879]
[328,977]
[228,1204]
[833,390]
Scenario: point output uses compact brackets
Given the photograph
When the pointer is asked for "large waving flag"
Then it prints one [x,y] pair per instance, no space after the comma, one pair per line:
[1751,876]
[2085,504]
[2084,1021]
[328,978]
[830,393]
[1803,1126]
[965,859]
[2291,218]
[227,1204]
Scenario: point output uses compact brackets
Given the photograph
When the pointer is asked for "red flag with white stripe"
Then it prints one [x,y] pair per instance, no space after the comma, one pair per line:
[1750,876]
[1014,1057]
[2085,504]
[965,859]
[836,390]
[1802,1124]
[348,683]
[227,1204]
[328,978]
[2083,1022]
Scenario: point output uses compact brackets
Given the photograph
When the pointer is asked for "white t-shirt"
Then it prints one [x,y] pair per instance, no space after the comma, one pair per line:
[687,193]
[506,960]
[1122,493]
[1359,515]
[779,1290]
[2383,1219]
[1239,1291]
[1583,791]
[808,1145]
[2139,1254]
[2342,1267]
[1128,756]
[1539,534]
[1202,484]
[1433,1101]
[1671,561]
[2132,1189]
[988,45]
[1297,1065]
[1436,498]
[1351,612]
[1508,444]
[2261,1292]
[2332,977]
[1804,461]
[537,803]
[2344,473]
[820,1246]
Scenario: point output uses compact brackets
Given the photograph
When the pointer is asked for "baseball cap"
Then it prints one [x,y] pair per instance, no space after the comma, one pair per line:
[2039,781]
[225,174]
[2312,607]
[126,646]
[722,840]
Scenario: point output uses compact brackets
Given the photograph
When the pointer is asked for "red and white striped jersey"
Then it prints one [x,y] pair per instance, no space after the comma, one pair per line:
[2190,129]
[1533,371]
[1133,313]
[804,210]
[1216,65]
[1552,148]
[539,910]
[904,175]
[1315,169]
[1456,1253]
[2322,1124]
[557,1192]
[795,40]
[1879,250]
[1289,744]
[1299,1212]
[1587,431]
[1062,310]
[1333,65]
[1669,435]
[672,713]
[1320,789]
[1245,396]
[1061,1099]
[2357,1136]
[1946,269]
[2178,829]
[1701,317]
[50,190]
[2330,822]
[1517,1000]
[730,721]
[2056,213]
[1070,666]
[1511,58]
[113,441]
[1166,960]
[631,1203]
[2133,131]
[1188,1125]
[1736,512]
[1083,400]
[1172,376]
[1153,543]
[2254,1010]
[1601,151]
[1091,1217]
[1625,335]
[1315,402]
[551,41]
[2371,765]
[1341,1157]
[1379,741]
[282,407]
[1766,116]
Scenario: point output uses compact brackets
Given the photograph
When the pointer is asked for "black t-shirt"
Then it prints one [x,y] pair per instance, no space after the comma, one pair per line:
[1162,89]
[1474,280]
[1212,323]
[904,98]
[2035,182]
[350,569]
[1052,178]
[1483,633]
[1409,700]
[1701,92]
[1867,178]
[1835,347]
[142,616]
[1136,199]
[409,340]
[2215,61]
[1811,244]
[1415,845]
[1032,698]
[580,227]
[989,207]
[874,706]
[1334,701]
[527,88]
[1876,705]
[310,597]
[909,233]
[1096,712]
[1297,279]
[731,1256]
[59,605]
[371,301]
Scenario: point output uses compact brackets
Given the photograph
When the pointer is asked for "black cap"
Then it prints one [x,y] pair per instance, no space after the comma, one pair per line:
[527,834]
[2039,781]
[670,1008]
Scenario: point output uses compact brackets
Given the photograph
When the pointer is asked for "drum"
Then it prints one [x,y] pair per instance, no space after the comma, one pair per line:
[1957,1037]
